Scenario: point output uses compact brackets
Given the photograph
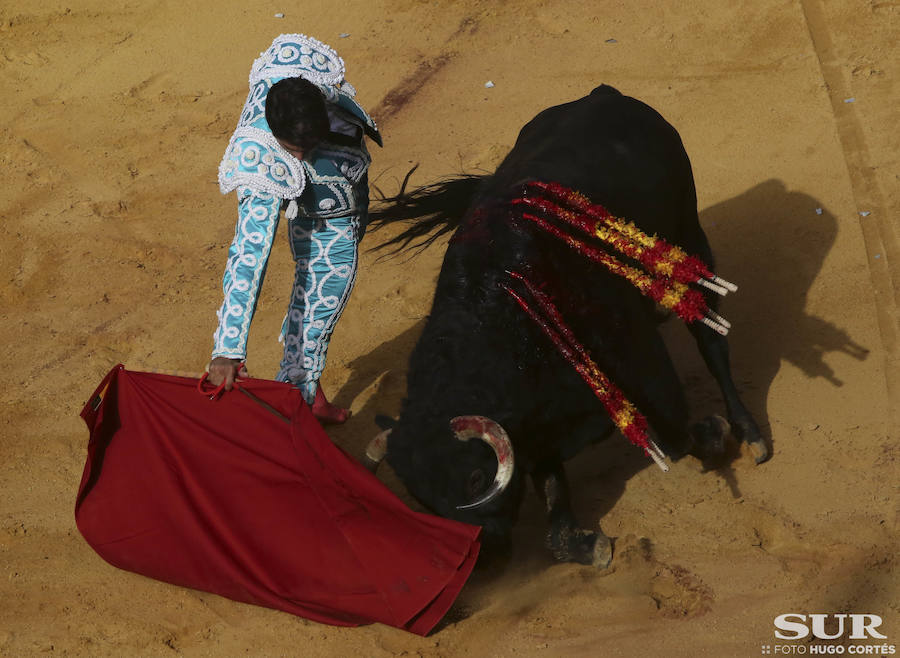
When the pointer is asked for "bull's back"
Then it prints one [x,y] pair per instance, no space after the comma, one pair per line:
[480,347]
[613,148]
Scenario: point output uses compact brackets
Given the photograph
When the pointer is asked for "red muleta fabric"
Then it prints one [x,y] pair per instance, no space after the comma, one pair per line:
[226,497]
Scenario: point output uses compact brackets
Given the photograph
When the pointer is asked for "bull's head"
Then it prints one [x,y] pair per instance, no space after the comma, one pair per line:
[452,477]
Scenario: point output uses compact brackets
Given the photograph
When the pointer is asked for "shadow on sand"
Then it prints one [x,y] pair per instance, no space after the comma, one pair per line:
[772,242]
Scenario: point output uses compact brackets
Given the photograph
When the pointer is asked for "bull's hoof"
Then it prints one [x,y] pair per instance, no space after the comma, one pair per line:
[709,438]
[603,551]
[760,451]
[746,429]
[581,546]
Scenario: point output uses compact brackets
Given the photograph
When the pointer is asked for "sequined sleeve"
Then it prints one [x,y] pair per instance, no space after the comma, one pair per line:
[258,215]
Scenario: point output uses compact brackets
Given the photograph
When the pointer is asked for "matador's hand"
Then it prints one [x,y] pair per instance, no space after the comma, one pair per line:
[223,369]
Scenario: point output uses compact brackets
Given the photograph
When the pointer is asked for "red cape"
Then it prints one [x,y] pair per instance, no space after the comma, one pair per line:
[225,496]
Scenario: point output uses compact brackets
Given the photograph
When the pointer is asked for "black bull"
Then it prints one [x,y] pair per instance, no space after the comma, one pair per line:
[480,355]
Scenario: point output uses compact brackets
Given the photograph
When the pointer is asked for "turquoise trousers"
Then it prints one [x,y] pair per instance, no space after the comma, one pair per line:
[326,254]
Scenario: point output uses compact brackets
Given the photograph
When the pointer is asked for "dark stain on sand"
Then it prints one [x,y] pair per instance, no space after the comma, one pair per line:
[403,92]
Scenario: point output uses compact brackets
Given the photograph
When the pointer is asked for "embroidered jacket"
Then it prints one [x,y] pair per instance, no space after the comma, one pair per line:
[265,175]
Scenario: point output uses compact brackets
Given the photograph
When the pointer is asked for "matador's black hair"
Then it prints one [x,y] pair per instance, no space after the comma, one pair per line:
[295,112]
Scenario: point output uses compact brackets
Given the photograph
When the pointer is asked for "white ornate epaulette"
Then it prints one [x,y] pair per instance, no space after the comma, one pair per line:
[299,56]
[256,160]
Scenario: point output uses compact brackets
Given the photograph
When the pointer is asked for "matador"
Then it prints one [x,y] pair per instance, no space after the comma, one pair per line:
[299,146]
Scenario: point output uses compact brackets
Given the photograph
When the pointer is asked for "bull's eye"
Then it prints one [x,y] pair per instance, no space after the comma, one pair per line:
[476,484]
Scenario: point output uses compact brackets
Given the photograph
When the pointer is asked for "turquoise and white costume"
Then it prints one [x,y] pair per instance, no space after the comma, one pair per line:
[327,204]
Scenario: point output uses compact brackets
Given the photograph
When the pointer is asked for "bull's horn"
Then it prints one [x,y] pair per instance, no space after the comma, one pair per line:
[479,427]
[376,450]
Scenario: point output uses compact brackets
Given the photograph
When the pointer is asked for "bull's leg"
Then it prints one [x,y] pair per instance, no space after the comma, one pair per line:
[567,541]
[714,349]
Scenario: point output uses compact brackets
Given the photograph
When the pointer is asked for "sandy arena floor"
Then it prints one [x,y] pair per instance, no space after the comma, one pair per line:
[113,238]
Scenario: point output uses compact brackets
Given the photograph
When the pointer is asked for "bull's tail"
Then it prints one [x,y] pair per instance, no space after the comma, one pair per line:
[430,210]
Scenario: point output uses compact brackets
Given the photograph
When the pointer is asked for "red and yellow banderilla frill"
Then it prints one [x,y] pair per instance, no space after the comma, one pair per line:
[661,271]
